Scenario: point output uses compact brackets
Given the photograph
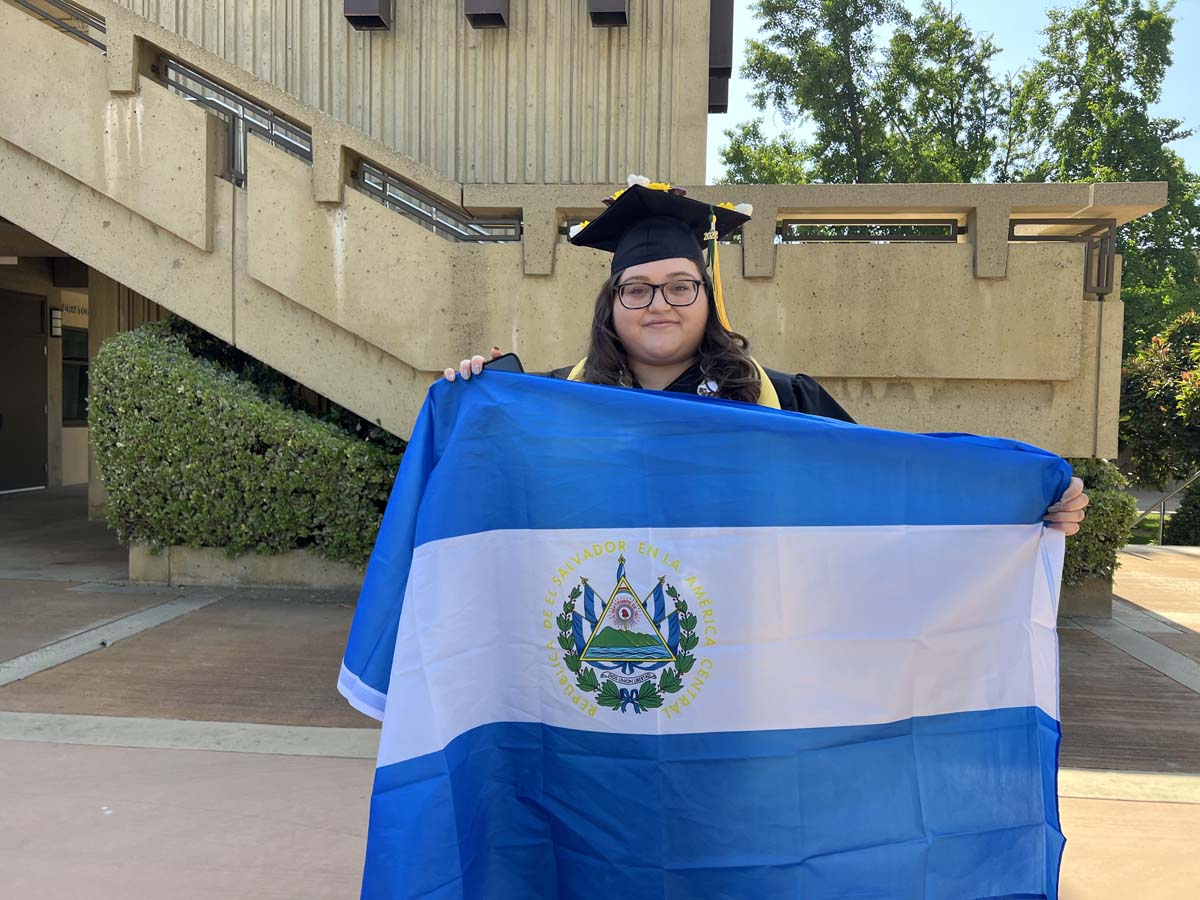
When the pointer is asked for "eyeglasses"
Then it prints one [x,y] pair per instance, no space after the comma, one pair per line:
[640,294]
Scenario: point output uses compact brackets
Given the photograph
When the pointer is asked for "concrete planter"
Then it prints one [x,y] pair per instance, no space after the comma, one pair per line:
[1091,597]
[210,566]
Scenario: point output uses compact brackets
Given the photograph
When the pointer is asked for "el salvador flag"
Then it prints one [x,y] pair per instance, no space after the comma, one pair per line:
[639,645]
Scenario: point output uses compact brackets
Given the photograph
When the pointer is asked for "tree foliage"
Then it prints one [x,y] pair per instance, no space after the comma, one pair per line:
[942,104]
[754,158]
[817,64]
[1102,69]
[1160,403]
[923,107]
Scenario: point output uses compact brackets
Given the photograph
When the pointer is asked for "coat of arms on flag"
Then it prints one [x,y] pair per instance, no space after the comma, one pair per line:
[633,654]
[847,635]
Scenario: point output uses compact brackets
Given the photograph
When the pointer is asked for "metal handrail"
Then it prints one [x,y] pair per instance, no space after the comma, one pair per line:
[76,12]
[439,218]
[1162,506]
[244,117]
[785,230]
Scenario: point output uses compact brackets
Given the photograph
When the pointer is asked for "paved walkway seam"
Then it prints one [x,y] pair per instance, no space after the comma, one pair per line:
[101,636]
[178,734]
[1142,787]
[1157,656]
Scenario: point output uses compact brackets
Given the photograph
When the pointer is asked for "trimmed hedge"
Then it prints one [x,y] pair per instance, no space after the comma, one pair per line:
[192,455]
[1105,529]
[1183,528]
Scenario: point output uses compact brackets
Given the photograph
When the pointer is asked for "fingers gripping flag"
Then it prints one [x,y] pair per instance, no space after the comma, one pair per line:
[630,644]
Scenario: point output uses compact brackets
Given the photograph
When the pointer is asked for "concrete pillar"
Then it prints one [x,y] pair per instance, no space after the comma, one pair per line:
[54,429]
[103,323]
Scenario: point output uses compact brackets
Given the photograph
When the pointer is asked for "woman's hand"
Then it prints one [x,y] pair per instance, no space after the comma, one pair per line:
[469,367]
[1068,512]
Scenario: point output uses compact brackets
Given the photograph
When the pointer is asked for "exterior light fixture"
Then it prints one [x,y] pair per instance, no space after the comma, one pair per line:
[369,15]
[609,13]
[55,322]
[486,13]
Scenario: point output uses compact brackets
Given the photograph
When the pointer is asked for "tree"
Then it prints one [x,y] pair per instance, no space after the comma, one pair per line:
[1102,68]
[1026,118]
[1160,403]
[942,104]
[924,108]
[753,158]
[817,64]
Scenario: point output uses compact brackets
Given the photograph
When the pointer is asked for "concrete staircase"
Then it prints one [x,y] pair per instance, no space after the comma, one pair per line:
[115,169]
[287,256]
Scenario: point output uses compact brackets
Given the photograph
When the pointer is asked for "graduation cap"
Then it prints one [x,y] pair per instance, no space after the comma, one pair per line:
[648,221]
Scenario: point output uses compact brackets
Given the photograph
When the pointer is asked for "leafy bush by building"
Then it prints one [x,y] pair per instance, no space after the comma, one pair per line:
[1105,529]
[1184,526]
[193,455]
[274,385]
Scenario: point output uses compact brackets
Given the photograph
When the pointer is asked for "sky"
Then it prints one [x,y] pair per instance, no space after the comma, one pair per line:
[1015,27]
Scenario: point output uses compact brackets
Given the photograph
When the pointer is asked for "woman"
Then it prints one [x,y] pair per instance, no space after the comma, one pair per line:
[660,324]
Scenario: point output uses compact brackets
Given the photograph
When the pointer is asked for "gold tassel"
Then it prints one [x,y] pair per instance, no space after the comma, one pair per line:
[718,295]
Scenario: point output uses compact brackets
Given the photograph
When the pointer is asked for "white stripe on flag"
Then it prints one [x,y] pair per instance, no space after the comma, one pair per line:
[797,627]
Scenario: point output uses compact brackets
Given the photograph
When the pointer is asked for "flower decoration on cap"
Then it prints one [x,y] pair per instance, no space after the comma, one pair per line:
[643,181]
[575,229]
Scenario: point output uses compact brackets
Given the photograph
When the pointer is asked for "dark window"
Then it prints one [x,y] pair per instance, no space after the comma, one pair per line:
[74,376]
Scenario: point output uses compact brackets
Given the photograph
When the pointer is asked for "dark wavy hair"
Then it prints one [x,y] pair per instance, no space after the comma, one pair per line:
[723,356]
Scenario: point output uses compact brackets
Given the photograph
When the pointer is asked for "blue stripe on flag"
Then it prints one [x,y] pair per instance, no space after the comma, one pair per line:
[615,458]
[952,806]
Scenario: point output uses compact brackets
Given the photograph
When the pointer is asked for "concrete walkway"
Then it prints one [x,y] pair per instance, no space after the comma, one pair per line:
[168,742]
[46,535]
[189,743]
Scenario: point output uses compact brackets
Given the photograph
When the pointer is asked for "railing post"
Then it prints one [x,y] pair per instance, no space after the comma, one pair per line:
[329,163]
[758,243]
[122,55]
[987,228]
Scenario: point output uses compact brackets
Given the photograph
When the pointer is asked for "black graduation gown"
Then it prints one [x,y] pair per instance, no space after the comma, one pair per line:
[798,393]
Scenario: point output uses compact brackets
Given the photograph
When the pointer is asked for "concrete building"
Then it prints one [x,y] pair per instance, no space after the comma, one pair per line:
[358,209]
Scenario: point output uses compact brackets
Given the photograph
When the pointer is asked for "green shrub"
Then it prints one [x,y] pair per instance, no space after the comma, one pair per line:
[1105,529]
[193,455]
[274,385]
[1184,526]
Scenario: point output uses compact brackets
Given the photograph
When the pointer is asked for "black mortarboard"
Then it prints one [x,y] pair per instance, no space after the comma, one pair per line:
[647,224]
